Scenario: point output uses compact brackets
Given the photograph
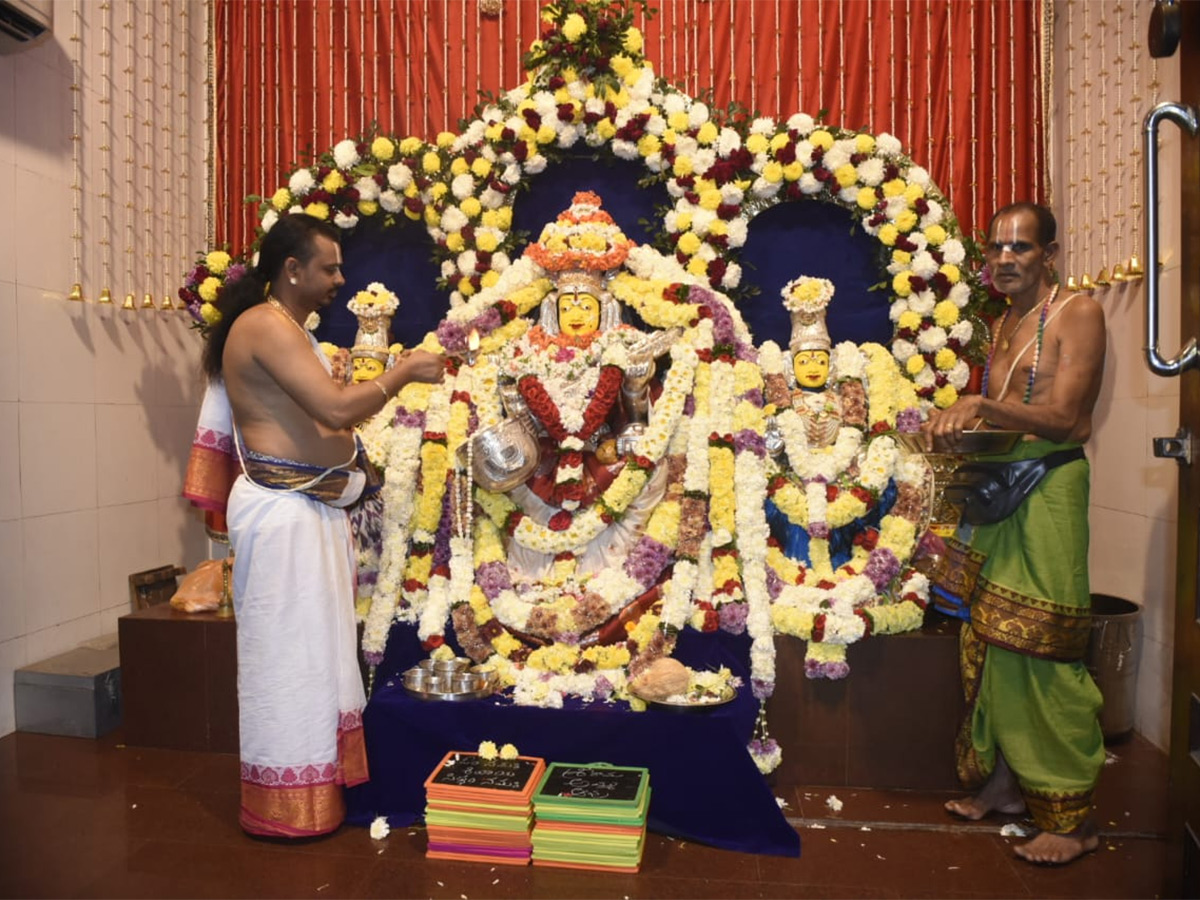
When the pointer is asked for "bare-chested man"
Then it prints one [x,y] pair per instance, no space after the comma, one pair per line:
[1032,739]
[300,696]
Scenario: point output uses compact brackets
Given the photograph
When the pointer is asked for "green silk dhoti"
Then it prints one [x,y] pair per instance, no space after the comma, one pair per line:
[1028,692]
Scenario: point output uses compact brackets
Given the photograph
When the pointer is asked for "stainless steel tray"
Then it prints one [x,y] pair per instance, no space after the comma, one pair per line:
[453,682]
[727,695]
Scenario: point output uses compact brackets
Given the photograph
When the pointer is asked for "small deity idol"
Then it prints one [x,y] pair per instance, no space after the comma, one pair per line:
[817,404]
[370,355]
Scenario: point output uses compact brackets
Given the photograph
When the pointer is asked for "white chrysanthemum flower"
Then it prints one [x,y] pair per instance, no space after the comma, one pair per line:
[962,331]
[848,194]
[466,262]
[269,219]
[686,145]
[568,136]
[918,175]
[959,375]
[804,154]
[728,141]
[801,123]
[897,309]
[674,189]
[931,340]
[706,252]
[301,182]
[345,154]
[933,214]
[463,186]
[624,149]
[738,229]
[953,251]
[902,349]
[837,156]
[379,828]
[491,198]
[643,87]
[702,220]
[870,171]
[887,145]
[500,261]
[343,220]
[731,194]
[535,164]
[656,125]
[295,208]
[367,188]
[922,303]
[925,378]
[809,184]
[732,277]
[674,102]
[704,159]
[475,132]
[449,270]
[893,206]
[763,188]
[959,294]
[924,265]
[763,125]
[514,123]
[399,176]
[698,115]
[454,219]
[391,201]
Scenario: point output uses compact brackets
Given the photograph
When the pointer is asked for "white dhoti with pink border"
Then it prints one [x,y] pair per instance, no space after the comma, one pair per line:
[300,692]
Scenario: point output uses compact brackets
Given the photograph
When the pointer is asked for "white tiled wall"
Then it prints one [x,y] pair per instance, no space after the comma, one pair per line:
[97,404]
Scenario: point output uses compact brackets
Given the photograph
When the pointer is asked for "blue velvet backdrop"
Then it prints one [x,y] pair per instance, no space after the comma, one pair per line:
[804,237]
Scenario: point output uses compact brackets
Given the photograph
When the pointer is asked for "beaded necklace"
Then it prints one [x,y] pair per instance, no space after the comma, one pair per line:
[282,310]
[1037,351]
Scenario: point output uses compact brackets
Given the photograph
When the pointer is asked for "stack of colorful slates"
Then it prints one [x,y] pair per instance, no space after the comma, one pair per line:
[591,817]
[481,810]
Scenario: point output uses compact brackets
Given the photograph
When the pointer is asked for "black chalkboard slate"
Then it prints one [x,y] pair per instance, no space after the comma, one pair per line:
[469,770]
[615,785]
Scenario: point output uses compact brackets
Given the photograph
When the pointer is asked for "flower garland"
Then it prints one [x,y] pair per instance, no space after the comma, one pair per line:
[719,174]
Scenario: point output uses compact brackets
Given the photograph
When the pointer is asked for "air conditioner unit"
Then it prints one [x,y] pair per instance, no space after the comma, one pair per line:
[24,21]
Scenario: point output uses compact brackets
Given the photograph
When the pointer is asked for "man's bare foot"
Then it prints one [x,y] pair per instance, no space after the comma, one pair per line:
[1000,794]
[1058,849]
[975,808]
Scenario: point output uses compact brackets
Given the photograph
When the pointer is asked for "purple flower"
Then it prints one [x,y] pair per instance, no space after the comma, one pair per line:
[830,670]
[603,688]
[373,657]
[451,336]
[487,321]
[689,405]
[908,420]
[751,441]
[882,567]
[761,688]
[733,617]
[774,584]
[493,578]
[646,561]
[755,396]
[234,272]
[818,530]
[406,418]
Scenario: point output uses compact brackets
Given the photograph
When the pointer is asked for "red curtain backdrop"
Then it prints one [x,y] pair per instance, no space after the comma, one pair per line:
[959,82]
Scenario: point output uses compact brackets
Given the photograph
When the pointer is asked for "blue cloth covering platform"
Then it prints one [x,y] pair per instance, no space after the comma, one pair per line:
[704,784]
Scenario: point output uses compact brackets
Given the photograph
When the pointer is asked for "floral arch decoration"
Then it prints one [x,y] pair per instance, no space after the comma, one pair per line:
[590,84]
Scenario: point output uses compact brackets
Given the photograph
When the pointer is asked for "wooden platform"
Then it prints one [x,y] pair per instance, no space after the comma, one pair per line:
[890,724]
[179,676]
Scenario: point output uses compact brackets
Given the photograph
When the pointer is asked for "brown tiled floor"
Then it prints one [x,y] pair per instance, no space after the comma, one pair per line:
[83,818]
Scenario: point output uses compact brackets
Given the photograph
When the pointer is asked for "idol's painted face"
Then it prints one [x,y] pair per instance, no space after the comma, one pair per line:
[811,368]
[365,368]
[578,314]
[1016,260]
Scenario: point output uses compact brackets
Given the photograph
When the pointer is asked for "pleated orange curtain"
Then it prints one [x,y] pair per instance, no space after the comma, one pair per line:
[959,82]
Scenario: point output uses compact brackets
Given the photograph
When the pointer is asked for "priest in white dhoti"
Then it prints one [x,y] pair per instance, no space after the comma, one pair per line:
[300,694]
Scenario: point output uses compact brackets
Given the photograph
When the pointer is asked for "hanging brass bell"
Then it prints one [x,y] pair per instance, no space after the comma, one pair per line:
[76,293]
[129,302]
[1102,278]
[105,297]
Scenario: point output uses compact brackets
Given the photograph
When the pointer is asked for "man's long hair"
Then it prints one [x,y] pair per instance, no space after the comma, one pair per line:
[292,236]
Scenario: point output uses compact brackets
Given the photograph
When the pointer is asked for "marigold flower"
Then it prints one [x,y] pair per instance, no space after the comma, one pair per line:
[383,149]
[574,27]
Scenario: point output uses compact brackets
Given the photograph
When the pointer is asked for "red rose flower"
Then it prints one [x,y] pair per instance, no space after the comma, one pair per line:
[560,521]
